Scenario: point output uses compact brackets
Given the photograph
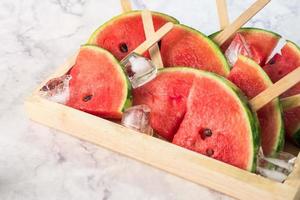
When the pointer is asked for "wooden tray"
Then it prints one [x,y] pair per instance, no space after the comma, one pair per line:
[158,153]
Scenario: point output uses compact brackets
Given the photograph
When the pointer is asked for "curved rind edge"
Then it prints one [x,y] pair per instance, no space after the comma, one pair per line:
[251,116]
[128,101]
[91,40]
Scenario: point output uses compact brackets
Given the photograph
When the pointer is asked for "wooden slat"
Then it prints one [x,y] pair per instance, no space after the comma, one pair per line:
[126,5]
[240,21]
[149,30]
[290,102]
[154,38]
[276,89]
[222,13]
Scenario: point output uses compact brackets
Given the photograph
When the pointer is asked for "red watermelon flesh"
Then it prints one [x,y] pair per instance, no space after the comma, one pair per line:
[252,80]
[124,33]
[262,42]
[166,95]
[278,67]
[184,46]
[218,123]
[98,85]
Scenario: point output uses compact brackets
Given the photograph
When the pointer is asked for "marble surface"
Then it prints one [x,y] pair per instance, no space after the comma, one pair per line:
[40,163]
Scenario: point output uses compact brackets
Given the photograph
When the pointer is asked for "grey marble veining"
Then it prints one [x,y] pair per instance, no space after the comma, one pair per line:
[40,163]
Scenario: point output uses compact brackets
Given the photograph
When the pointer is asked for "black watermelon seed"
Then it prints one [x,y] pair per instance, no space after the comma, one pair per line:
[87,98]
[123,48]
[209,152]
[207,132]
[204,133]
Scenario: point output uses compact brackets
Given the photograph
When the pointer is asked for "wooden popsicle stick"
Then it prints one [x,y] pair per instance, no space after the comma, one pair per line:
[275,90]
[223,13]
[290,102]
[240,21]
[126,5]
[149,30]
[155,37]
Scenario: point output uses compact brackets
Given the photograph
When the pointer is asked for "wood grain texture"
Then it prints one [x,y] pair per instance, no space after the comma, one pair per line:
[149,31]
[276,89]
[240,21]
[158,153]
[126,5]
[222,13]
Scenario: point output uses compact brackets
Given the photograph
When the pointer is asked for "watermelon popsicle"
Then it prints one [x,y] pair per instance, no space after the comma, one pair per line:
[139,69]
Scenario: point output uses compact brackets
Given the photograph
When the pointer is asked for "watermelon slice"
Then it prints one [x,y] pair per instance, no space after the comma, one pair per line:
[252,80]
[166,95]
[278,67]
[260,41]
[99,85]
[219,123]
[182,46]
[125,32]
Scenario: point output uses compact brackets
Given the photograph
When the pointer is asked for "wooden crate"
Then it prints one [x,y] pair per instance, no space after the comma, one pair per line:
[158,153]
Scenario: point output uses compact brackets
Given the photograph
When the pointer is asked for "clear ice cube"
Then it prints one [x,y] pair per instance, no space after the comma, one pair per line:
[138,118]
[237,46]
[139,70]
[57,89]
[277,168]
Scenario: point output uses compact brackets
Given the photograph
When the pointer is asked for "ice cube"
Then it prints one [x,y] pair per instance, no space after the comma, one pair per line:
[277,168]
[57,89]
[138,118]
[237,47]
[139,70]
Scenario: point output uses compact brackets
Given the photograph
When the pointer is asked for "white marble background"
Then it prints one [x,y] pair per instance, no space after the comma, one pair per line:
[39,163]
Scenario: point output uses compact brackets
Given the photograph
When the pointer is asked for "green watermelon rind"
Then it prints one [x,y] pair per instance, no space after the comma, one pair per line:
[91,40]
[250,115]
[129,99]
[296,135]
[212,44]
[278,147]
[251,29]
[294,45]
[254,123]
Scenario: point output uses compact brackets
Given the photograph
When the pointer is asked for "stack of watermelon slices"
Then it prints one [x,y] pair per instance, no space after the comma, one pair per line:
[192,108]
[262,43]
